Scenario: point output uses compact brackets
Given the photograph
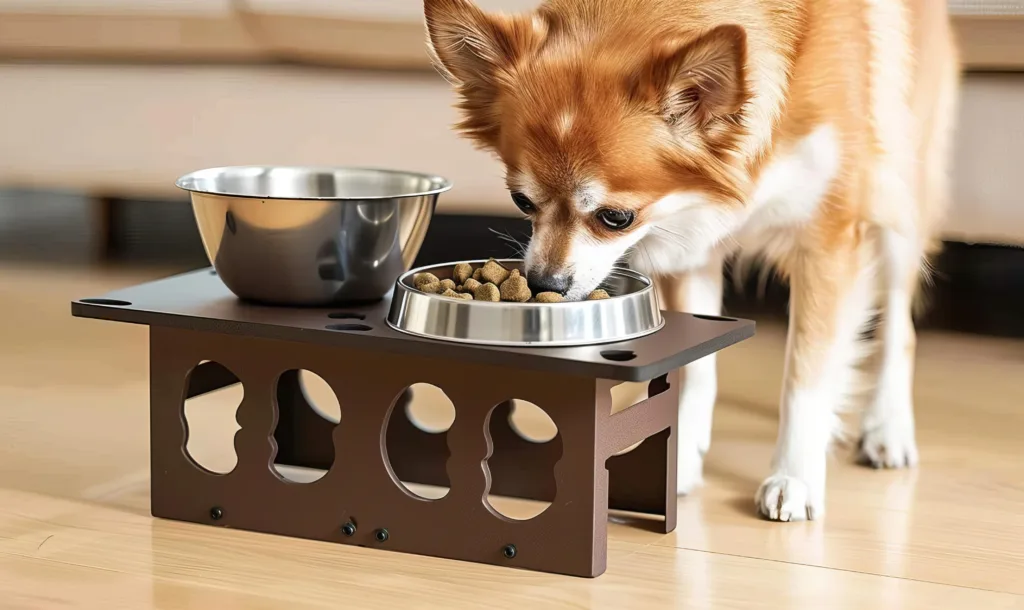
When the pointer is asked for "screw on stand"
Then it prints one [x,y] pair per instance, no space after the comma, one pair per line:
[216,513]
[349,529]
[381,535]
[510,551]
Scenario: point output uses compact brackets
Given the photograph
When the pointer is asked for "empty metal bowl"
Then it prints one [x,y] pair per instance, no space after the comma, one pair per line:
[308,236]
[632,312]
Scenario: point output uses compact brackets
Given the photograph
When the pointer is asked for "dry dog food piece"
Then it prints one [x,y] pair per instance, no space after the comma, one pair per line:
[478,275]
[424,278]
[430,287]
[451,294]
[462,272]
[515,289]
[494,273]
[470,286]
[598,295]
[550,297]
[488,292]
[448,285]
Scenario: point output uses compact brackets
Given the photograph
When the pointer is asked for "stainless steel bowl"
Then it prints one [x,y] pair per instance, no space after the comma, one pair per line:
[632,312]
[308,236]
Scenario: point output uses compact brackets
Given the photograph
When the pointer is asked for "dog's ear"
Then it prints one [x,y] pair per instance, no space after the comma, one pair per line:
[475,51]
[699,81]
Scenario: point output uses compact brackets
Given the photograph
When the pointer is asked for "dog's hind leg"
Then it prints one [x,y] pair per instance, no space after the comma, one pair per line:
[830,299]
[700,292]
[887,429]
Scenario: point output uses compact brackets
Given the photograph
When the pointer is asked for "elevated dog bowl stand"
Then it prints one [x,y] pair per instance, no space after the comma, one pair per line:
[202,338]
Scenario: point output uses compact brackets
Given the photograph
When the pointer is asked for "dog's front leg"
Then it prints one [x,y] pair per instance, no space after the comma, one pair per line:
[698,291]
[829,302]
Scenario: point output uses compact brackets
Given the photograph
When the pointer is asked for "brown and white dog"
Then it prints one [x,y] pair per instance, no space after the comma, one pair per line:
[813,134]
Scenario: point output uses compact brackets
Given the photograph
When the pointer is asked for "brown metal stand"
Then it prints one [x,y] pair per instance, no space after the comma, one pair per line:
[361,500]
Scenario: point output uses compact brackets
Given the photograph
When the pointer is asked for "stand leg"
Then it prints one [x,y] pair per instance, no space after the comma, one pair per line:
[644,479]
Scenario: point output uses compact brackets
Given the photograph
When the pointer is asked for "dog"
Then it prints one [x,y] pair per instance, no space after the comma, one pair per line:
[813,136]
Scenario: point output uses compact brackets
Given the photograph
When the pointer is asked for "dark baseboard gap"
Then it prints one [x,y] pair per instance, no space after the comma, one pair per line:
[977,288]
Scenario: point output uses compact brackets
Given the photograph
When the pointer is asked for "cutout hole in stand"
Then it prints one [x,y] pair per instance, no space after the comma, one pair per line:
[618,355]
[346,315]
[526,446]
[416,441]
[714,318]
[360,328]
[111,302]
[308,413]
[213,395]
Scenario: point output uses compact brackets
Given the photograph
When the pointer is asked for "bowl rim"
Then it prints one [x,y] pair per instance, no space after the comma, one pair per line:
[405,280]
[445,184]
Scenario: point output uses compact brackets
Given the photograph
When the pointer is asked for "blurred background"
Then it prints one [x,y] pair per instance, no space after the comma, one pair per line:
[106,102]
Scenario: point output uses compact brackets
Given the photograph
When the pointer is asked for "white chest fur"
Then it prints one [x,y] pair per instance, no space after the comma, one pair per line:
[791,189]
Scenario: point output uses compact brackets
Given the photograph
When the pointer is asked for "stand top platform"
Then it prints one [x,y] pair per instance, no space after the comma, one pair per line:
[200,301]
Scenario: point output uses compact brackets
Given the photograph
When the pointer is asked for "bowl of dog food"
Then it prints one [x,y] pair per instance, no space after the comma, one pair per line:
[311,236]
[489,302]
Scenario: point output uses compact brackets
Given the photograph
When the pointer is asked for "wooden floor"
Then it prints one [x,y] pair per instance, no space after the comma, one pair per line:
[75,529]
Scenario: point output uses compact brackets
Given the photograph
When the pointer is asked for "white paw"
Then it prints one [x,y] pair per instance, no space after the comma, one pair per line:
[890,444]
[690,470]
[785,498]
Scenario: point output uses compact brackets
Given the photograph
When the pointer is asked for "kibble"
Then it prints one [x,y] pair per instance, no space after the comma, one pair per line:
[462,272]
[424,278]
[451,294]
[549,297]
[515,289]
[430,287]
[490,283]
[488,292]
[494,273]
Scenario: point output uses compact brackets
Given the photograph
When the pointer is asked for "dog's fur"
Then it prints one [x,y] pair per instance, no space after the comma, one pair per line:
[813,134]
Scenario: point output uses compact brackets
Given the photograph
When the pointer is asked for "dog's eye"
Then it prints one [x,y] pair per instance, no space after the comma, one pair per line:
[616,220]
[523,203]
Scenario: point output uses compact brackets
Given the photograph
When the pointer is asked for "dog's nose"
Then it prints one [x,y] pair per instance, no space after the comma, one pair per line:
[541,282]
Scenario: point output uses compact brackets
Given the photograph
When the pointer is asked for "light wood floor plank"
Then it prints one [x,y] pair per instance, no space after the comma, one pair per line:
[75,528]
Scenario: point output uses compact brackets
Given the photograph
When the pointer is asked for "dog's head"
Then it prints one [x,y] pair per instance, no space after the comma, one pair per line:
[609,135]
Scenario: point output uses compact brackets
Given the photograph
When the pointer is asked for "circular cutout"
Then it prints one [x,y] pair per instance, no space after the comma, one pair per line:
[346,315]
[714,318]
[531,422]
[360,328]
[416,441]
[111,302]
[214,395]
[298,432]
[618,355]
[526,448]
